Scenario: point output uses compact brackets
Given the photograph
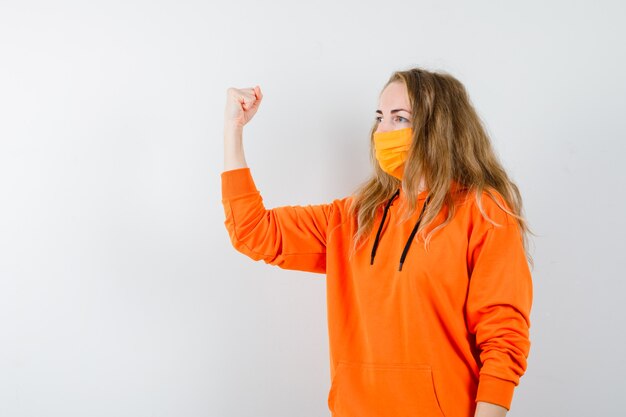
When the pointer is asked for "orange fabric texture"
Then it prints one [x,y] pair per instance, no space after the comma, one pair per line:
[391,148]
[450,329]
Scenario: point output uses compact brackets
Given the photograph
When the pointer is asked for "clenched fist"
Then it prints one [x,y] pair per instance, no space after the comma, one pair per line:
[241,105]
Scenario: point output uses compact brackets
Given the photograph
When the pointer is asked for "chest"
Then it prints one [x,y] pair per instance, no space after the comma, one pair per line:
[438,271]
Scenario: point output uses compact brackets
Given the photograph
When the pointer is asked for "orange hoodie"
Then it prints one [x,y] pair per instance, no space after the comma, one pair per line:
[448,329]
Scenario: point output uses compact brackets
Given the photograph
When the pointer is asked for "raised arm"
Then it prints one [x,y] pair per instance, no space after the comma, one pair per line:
[291,237]
[241,106]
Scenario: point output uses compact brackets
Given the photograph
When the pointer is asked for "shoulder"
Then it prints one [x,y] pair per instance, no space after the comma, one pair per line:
[335,211]
[341,206]
[488,207]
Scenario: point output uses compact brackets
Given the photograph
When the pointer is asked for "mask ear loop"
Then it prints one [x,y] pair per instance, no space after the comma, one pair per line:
[408,243]
[380,228]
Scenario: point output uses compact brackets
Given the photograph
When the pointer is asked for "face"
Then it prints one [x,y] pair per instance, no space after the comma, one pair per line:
[394,108]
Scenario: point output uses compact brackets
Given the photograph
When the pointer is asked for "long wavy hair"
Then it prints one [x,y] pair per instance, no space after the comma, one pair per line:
[449,144]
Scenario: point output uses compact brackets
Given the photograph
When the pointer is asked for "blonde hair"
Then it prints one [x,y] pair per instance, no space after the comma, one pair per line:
[449,144]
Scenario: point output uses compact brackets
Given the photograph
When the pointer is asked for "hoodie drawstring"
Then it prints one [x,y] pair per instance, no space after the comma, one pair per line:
[408,243]
[380,228]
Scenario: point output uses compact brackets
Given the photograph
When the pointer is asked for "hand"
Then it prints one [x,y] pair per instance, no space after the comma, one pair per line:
[241,105]
[484,409]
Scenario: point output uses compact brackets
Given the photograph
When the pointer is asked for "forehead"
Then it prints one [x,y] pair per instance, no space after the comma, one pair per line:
[394,96]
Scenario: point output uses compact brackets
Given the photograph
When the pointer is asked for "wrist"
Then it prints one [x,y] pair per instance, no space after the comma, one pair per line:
[233,135]
[232,127]
[485,409]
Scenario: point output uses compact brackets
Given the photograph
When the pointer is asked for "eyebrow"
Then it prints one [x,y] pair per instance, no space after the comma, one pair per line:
[393,111]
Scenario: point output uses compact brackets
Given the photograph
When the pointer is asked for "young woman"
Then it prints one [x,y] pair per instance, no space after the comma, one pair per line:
[427,272]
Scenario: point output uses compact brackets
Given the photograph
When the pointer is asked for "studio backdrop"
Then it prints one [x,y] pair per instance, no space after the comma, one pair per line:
[120,292]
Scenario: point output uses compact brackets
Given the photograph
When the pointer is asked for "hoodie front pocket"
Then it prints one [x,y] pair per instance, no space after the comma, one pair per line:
[383,390]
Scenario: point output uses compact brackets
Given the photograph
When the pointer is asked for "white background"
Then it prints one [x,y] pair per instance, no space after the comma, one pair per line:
[120,293]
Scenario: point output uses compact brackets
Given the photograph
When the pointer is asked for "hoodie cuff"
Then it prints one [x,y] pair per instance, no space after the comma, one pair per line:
[237,182]
[495,391]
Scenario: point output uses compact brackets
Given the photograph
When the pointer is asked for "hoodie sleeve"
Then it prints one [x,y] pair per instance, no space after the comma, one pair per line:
[291,237]
[499,303]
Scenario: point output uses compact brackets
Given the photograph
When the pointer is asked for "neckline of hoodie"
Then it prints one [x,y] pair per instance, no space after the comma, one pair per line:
[421,196]
[455,187]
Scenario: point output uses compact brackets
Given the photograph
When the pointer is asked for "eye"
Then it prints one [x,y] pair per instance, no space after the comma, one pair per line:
[398,118]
